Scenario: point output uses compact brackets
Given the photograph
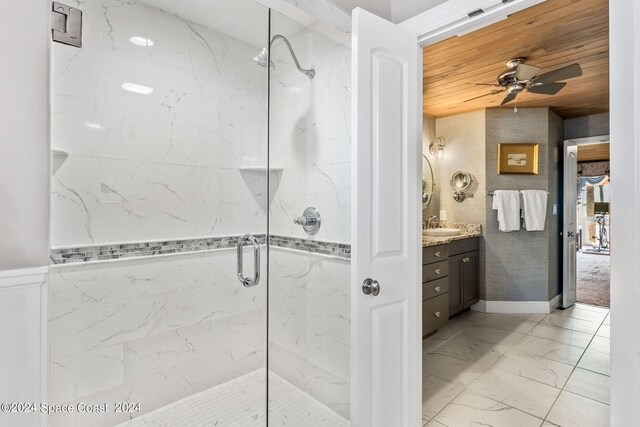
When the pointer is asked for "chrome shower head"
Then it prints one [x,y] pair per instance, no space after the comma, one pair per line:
[262,58]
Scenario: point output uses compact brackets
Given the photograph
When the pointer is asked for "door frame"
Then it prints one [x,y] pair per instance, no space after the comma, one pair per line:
[624,100]
[568,202]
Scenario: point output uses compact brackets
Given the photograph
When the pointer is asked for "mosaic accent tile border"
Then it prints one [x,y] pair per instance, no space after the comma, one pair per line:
[74,255]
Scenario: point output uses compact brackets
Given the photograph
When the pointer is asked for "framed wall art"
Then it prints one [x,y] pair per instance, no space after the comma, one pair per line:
[518,159]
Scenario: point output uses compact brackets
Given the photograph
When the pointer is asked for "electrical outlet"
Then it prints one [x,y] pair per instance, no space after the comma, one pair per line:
[443,215]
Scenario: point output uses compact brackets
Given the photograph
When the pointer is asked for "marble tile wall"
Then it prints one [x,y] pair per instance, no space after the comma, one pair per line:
[169,166]
[309,325]
[162,165]
[152,331]
[310,134]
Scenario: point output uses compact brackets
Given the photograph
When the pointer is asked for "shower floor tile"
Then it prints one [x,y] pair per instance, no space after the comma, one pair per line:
[241,402]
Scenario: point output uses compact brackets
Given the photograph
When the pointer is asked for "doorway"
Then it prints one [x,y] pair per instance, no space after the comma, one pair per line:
[587,244]
[593,215]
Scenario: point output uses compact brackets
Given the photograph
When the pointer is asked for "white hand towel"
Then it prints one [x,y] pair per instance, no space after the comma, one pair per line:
[534,209]
[507,203]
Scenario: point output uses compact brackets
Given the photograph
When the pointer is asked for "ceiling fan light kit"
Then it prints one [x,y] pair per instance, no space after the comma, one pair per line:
[521,76]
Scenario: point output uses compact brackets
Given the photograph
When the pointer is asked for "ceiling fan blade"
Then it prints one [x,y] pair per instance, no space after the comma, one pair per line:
[509,98]
[526,72]
[546,89]
[495,92]
[564,73]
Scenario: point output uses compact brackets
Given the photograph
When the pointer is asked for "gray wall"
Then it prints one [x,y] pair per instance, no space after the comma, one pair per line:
[582,127]
[520,265]
[24,125]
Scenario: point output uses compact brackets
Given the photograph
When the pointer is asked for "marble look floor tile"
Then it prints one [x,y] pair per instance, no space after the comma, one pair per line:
[580,325]
[501,337]
[482,348]
[591,307]
[548,424]
[565,336]
[434,423]
[604,331]
[583,314]
[436,394]
[452,368]
[454,327]
[601,344]
[431,342]
[590,384]
[507,323]
[536,368]
[571,410]
[470,409]
[607,320]
[549,349]
[518,392]
[531,317]
[473,315]
[596,361]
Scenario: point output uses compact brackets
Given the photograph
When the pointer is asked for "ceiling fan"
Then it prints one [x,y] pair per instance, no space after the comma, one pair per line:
[521,76]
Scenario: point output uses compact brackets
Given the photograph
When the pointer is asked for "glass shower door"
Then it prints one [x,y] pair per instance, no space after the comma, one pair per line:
[309,225]
[159,135]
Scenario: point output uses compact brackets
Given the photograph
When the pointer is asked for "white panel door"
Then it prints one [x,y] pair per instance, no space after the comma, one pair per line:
[386,158]
[569,228]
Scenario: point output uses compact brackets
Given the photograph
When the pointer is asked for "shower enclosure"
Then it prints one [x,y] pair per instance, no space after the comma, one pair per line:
[187,286]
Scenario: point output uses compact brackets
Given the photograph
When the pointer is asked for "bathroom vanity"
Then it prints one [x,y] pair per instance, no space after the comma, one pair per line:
[450,279]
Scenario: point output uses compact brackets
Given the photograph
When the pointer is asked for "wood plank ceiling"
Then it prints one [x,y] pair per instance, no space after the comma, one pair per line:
[550,35]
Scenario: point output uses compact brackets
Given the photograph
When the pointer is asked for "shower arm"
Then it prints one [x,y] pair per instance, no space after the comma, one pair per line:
[310,72]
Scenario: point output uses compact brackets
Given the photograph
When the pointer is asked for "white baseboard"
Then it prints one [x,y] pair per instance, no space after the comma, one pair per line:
[506,307]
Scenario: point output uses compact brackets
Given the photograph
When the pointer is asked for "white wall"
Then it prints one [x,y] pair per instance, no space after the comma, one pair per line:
[24,123]
[24,209]
[382,8]
[625,199]
[405,9]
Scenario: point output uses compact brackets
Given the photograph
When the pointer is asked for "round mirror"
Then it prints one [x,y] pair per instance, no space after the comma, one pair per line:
[460,181]
[427,181]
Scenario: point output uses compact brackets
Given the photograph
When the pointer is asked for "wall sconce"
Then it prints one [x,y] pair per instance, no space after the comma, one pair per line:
[436,147]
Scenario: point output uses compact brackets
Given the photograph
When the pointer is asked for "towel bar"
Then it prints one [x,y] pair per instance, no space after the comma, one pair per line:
[491,193]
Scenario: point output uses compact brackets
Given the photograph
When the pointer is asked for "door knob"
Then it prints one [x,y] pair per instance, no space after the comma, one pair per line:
[371,287]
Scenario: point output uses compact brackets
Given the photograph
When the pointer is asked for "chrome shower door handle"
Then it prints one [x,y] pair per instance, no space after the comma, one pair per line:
[247,282]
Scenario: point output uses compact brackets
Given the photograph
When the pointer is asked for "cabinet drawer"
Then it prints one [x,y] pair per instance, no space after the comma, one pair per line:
[465,245]
[434,288]
[435,253]
[435,313]
[434,271]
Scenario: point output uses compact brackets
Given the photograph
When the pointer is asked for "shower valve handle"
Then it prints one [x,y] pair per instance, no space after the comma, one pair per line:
[310,221]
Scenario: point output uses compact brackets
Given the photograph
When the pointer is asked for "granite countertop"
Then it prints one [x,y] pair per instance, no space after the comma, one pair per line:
[468,231]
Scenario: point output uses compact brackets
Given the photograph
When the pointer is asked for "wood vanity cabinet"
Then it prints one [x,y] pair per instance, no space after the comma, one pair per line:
[450,276]
[435,288]
[463,275]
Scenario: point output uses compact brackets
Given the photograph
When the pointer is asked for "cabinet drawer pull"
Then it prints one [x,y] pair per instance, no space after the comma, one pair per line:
[437,288]
[437,314]
[437,254]
[467,259]
[437,271]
